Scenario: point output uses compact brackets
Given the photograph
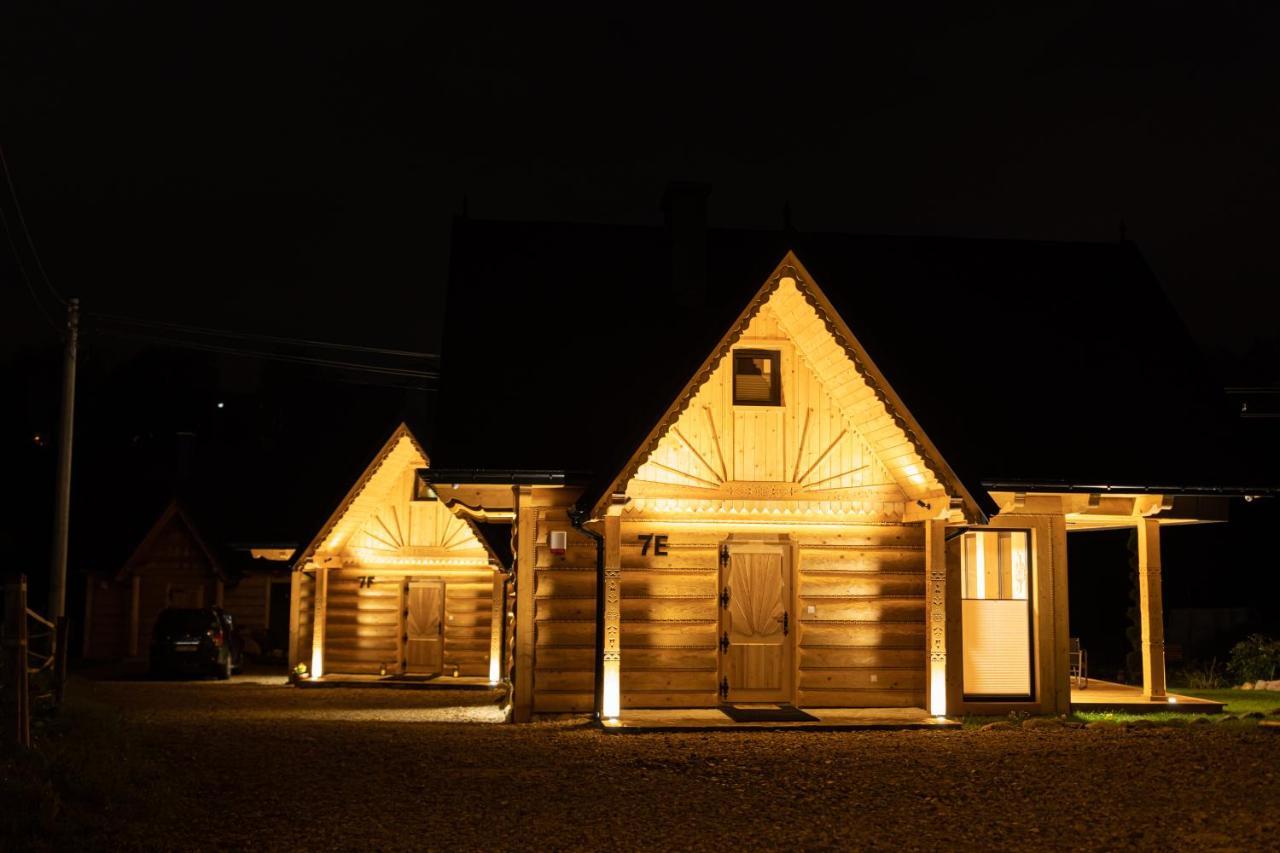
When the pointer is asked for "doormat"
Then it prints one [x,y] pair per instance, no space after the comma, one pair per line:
[407,677]
[768,714]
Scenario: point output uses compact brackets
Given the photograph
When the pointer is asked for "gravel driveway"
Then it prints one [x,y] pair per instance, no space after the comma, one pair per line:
[256,764]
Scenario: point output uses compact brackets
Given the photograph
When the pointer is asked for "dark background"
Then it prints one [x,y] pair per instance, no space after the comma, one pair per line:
[294,170]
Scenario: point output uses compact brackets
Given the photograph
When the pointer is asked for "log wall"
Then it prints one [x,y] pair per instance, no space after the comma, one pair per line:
[364,623]
[564,618]
[108,624]
[858,611]
[247,602]
[861,611]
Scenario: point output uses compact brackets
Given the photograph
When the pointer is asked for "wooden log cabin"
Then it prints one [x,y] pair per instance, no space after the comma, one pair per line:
[737,478]
[178,563]
[396,585]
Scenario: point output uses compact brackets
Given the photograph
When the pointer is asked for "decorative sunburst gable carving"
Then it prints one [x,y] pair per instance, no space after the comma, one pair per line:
[380,520]
[401,526]
[843,426]
[808,441]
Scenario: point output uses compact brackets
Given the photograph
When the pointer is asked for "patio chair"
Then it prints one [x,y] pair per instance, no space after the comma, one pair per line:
[1078,664]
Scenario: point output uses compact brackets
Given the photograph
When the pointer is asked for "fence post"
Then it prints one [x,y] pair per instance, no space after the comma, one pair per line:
[61,651]
[15,642]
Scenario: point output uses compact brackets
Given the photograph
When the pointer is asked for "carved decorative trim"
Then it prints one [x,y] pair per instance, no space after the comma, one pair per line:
[726,346]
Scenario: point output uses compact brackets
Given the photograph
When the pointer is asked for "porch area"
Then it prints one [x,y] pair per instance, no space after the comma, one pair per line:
[399,682]
[1109,696]
[821,719]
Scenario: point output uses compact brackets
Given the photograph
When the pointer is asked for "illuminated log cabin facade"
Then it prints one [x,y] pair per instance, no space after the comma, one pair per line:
[783,529]
[395,584]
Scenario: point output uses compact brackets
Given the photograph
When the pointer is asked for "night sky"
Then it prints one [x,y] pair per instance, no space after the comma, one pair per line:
[239,165]
[294,171]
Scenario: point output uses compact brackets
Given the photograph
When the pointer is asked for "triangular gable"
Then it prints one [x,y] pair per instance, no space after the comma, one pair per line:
[869,438]
[378,518]
[173,512]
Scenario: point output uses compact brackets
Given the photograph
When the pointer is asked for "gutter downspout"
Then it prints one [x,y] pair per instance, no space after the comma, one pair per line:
[577,518]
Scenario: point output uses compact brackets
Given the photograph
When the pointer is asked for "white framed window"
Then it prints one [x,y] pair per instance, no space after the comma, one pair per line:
[996,614]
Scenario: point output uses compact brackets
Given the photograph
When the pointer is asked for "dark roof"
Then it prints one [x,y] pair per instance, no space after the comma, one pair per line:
[498,536]
[1022,360]
[249,492]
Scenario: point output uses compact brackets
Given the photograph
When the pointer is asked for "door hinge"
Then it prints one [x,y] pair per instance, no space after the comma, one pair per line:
[724,598]
[724,687]
[786,623]
[724,643]
[724,556]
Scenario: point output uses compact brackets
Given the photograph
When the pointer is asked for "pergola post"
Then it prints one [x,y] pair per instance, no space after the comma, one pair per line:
[612,651]
[522,677]
[935,558]
[319,612]
[1151,604]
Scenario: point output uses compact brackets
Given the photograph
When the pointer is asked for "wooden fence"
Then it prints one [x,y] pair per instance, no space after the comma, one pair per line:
[21,661]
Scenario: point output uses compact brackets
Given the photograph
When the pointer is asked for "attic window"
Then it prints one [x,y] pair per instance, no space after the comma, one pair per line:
[422,491]
[757,377]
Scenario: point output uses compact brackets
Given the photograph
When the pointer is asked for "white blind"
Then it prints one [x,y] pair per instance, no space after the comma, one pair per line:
[997,648]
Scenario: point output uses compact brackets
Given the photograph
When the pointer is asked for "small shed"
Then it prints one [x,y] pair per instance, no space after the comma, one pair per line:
[173,566]
[177,564]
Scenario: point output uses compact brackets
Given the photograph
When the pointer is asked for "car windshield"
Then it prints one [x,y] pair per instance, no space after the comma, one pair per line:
[184,621]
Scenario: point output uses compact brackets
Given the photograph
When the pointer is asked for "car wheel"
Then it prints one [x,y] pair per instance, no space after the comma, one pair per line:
[224,671]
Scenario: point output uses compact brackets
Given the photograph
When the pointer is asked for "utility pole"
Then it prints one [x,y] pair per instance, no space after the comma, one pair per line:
[62,504]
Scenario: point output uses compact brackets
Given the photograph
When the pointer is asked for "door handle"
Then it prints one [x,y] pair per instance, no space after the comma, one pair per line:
[786,623]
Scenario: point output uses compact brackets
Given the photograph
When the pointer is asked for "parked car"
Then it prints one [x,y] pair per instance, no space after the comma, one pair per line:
[201,639]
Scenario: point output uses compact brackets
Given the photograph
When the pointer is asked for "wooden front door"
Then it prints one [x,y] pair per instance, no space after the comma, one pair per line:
[424,628]
[756,627]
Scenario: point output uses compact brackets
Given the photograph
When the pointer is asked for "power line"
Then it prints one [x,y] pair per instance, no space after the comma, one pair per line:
[22,272]
[272,356]
[22,220]
[253,336]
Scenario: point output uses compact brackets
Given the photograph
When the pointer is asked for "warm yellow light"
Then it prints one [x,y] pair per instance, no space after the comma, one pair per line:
[938,689]
[495,669]
[369,556]
[612,691]
[317,661]
[980,575]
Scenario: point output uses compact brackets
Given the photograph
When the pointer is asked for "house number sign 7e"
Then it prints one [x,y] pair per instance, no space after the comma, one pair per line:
[657,540]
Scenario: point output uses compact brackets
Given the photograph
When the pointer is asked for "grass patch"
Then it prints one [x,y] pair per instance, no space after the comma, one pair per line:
[1241,701]
[82,767]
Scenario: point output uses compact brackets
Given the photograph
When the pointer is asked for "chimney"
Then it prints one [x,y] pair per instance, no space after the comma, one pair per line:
[184,450]
[684,211]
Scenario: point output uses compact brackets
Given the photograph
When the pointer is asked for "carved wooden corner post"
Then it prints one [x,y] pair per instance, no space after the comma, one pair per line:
[295,602]
[496,620]
[320,610]
[1151,601]
[936,638]
[526,532]
[612,652]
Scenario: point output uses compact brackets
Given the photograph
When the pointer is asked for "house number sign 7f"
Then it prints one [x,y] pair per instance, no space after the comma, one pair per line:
[658,541]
